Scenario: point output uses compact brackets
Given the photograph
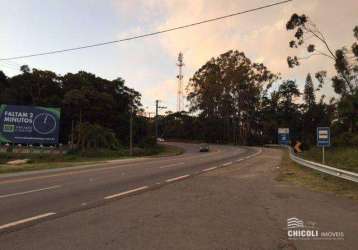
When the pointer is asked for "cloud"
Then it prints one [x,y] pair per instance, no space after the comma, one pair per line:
[262,35]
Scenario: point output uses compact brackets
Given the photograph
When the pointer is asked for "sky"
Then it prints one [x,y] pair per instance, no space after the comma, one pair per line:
[149,64]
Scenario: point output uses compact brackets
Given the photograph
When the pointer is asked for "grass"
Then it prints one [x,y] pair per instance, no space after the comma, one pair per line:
[338,157]
[314,180]
[48,161]
[170,150]
[4,169]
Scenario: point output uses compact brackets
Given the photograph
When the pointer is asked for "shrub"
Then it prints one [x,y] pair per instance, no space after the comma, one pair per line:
[149,141]
[346,139]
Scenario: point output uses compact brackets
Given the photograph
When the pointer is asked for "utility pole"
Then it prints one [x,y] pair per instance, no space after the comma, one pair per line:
[156,118]
[157,107]
[72,131]
[131,132]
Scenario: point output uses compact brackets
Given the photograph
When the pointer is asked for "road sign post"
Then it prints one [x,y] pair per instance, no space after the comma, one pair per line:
[323,140]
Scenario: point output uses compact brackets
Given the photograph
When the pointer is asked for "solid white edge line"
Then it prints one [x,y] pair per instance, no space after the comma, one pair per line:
[126,192]
[26,220]
[249,156]
[29,192]
[226,164]
[177,178]
[208,169]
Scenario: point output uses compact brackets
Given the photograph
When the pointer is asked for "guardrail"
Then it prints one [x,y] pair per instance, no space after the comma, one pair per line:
[324,168]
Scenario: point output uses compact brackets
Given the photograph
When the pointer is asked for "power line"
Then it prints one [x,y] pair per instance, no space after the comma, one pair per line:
[148,34]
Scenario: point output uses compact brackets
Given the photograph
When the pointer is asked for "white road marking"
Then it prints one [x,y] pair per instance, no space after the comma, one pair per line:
[173,165]
[208,169]
[177,178]
[29,192]
[26,220]
[227,164]
[126,192]
[249,156]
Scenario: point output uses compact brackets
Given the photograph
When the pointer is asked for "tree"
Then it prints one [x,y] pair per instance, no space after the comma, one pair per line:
[302,25]
[345,61]
[84,98]
[226,93]
[94,136]
[308,94]
[289,113]
[310,111]
[3,85]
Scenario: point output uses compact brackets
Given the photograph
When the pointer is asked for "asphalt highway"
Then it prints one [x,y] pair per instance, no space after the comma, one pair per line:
[30,198]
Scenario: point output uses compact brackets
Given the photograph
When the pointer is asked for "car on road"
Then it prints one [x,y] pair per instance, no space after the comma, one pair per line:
[160,139]
[204,147]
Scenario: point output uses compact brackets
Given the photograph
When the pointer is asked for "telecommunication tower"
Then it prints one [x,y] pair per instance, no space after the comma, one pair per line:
[180,99]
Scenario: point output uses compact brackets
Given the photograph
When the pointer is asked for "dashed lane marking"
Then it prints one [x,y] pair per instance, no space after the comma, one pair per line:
[177,178]
[12,224]
[29,192]
[126,192]
[208,169]
[227,164]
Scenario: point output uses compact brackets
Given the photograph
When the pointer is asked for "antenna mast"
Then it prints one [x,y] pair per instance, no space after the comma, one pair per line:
[180,99]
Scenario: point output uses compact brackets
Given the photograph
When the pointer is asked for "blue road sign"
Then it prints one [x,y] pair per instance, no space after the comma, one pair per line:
[283,136]
[323,137]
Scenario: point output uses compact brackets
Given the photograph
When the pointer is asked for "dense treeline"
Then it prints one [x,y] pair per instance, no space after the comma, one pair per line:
[232,100]
[95,111]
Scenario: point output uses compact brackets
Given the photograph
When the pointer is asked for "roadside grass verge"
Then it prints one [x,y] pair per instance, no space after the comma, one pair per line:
[314,180]
[5,169]
[169,150]
[48,161]
[338,157]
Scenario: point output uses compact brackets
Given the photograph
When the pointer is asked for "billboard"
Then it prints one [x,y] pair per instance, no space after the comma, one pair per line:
[29,124]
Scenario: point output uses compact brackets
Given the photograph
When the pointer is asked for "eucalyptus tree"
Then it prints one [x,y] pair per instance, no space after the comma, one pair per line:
[345,61]
[226,93]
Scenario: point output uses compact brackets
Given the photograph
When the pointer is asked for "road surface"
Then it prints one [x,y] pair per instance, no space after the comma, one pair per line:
[41,194]
[226,199]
